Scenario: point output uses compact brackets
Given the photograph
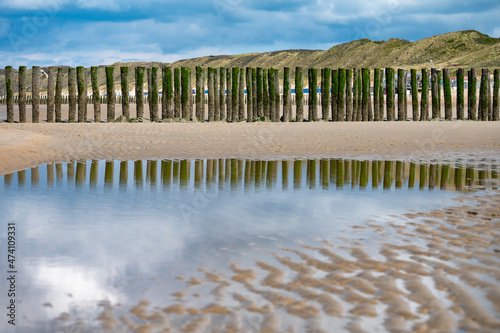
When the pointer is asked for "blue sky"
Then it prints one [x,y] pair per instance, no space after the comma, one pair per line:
[99,32]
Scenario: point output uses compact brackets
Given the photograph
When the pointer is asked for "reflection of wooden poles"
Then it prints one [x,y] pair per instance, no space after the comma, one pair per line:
[138,177]
[363,181]
[94,171]
[21,178]
[59,172]
[399,174]
[80,173]
[198,173]
[324,168]
[375,173]
[35,176]
[423,176]
[411,179]
[166,172]
[50,175]
[109,169]
[387,175]
[184,173]
[123,173]
[297,174]
[432,176]
[445,170]
[458,177]
[340,173]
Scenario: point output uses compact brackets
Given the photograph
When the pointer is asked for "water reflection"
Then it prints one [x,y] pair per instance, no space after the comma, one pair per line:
[255,175]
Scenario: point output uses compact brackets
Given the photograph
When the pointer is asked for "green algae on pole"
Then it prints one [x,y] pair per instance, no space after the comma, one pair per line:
[287,95]
[355,101]
[254,93]
[341,94]
[82,94]
[424,97]
[200,93]
[348,95]
[50,95]
[299,95]
[35,94]
[391,110]
[366,98]
[58,96]
[414,94]
[216,94]
[360,98]
[483,95]
[154,94]
[241,95]
[167,102]
[447,94]
[471,95]
[110,93]
[72,94]
[222,95]
[277,105]
[139,91]
[260,93]
[200,84]
[496,95]
[376,78]
[124,86]
[401,95]
[265,94]
[460,94]
[229,96]
[249,82]
[325,93]
[94,78]
[272,101]
[435,95]
[381,95]
[235,82]
[22,94]
[177,93]
[313,94]
[10,94]
[185,93]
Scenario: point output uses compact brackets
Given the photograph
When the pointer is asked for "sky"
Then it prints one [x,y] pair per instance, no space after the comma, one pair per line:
[102,32]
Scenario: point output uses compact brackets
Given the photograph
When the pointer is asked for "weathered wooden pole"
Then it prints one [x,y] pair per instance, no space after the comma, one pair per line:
[401,94]
[222,95]
[389,82]
[50,95]
[235,81]
[241,95]
[185,93]
[471,95]
[177,93]
[229,95]
[82,94]
[200,94]
[381,95]
[490,103]
[366,99]
[424,99]
[94,78]
[299,95]
[376,86]
[483,95]
[110,93]
[313,94]
[216,94]
[22,94]
[435,95]
[414,94]
[211,96]
[341,107]
[265,94]
[496,95]
[58,97]
[35,95]
[124,86]
[249,86]
[10,94]
[255,108]
[272,95]
[447,94]
[348,95]
[359,111]
[355,101]
[325,93]
[460,94]
[153,108]
[277,97]
[72,94]
[287,95]
[260,93]
[150,88]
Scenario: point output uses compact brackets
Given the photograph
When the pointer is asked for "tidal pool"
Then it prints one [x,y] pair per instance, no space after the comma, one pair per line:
[239,245]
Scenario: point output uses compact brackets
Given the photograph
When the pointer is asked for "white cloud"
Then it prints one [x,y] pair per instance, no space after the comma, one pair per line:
[4,27]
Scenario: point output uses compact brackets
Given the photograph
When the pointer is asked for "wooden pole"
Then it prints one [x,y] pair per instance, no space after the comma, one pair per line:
[260,92]
[325,93]
[414,94]
[235,94]
[359,111]
[82,94]
[391,111]
[447,94]
[167,94]
[287,95]
[341,94]
[222,94]
[185,93]
[424,99]
[277,96]
[200,94]
[10,94]
[471,95]
[177,93]
[254,94]
[313,94]
[496,95]
[376,86]
[401,94]
[272,95]
[50,95]
[354,116]
[483,95]
[435,95]
[94,78]
[216,94]
[22,94]
[348,94]
[265,94]
[460,94]
[229,96]
[366,99]
[241,95]
[211,96]
[249,94]
[72,94]
[124,86]
[35,95]
[381,95]
[299,95]
[110,93]
[154,94]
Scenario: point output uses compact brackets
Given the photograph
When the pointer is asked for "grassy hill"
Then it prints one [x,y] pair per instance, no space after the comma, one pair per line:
[461,49]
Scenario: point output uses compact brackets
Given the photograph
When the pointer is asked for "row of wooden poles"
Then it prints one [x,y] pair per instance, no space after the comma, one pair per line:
[349,97]
[256,174]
